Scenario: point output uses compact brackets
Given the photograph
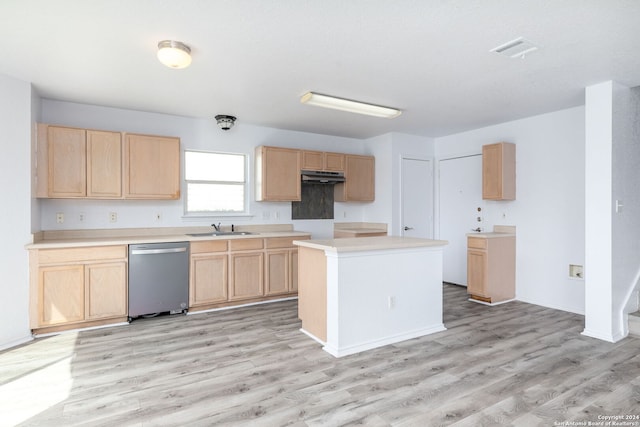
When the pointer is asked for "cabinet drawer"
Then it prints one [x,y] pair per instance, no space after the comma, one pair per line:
[245,244]
[477,242]
[59,256]
[208,246]
[282,242]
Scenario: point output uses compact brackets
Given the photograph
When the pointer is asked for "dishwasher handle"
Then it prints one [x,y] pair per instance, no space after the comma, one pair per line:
[157,251]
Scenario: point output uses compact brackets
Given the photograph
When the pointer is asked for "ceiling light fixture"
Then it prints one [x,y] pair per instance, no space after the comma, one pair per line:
[174,54]
[225,122]
[342,104]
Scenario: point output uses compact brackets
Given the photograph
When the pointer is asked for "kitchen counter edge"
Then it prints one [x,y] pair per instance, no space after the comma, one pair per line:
[363,244]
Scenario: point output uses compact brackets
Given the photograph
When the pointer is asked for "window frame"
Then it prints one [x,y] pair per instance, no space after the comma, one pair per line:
[213,214]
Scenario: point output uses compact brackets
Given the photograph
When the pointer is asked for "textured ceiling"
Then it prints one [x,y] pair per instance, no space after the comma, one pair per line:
[255,58]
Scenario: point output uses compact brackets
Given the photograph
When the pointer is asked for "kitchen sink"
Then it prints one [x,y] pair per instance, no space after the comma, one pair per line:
[222,233]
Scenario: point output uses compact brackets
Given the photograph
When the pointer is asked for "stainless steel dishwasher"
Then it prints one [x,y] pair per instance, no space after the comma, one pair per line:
[158,278]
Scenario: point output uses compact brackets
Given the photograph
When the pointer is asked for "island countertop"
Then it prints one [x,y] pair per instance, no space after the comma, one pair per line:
[358,244]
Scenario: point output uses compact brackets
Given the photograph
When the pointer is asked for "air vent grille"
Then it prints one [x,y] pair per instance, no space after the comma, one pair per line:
[517,48]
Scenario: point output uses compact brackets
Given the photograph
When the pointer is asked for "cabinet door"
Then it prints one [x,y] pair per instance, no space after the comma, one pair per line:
[67,159]
[104,164]
[334,162]
[293,283]
[277,272]
[208,279]
[277,174]
[312,160]
[359,185]
[247,275]
[106,290]
[477,272]
[60,294]
[498,171]
[152,167]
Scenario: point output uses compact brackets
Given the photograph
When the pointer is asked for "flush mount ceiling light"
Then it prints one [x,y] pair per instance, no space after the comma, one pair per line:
[225,122]
[342,104]
[517,48]
[174,54]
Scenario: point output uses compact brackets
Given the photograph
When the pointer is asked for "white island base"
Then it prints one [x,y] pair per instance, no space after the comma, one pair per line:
[357,294]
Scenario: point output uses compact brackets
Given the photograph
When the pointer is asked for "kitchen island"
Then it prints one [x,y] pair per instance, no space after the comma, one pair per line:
[356,294]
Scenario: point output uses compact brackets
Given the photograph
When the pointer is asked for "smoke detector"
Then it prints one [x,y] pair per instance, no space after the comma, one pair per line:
[225,122]
[517,48]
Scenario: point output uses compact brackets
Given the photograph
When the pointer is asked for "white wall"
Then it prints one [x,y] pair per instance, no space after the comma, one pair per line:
[626,189]
[15,122]
[549,207]
[612,235]
[199,134]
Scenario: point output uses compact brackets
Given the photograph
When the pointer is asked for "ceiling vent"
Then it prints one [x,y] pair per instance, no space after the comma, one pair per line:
[517,48]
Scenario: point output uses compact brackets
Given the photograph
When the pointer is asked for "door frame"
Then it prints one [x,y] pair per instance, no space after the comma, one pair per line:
[432,163]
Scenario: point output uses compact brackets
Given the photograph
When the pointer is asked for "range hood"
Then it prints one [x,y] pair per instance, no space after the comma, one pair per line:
[321,177]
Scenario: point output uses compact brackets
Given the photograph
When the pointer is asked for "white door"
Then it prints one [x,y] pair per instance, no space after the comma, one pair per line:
[417,198]
[461,206]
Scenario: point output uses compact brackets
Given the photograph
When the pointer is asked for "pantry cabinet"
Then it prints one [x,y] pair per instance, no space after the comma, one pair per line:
[359,185]
[76,287]
[277,174]
[499,171]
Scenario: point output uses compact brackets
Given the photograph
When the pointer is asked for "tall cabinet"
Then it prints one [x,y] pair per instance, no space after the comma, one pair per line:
[499,171]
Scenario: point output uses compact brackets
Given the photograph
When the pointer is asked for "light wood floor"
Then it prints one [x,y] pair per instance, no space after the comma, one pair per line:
[514,364]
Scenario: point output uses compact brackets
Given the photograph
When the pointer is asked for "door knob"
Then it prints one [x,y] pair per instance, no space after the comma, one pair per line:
[477,229]
[408,228]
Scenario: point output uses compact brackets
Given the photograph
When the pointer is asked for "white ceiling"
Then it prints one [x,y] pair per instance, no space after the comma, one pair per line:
[255,58]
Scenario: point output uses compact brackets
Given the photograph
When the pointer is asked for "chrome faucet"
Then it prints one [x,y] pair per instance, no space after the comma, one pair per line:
[217,227]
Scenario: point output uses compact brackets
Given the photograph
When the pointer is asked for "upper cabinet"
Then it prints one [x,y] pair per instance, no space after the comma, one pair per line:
[152,167]
[277,174]
[359,185]
[322,161]
[81,163]
[499,171]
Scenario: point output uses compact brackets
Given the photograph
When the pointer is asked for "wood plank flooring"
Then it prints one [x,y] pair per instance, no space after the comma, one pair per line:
[514,364]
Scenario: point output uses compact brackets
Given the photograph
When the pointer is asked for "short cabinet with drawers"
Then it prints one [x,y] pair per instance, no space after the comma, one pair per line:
[491,267]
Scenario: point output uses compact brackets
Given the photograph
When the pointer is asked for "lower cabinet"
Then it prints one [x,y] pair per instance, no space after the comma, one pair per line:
[235,271]
[491,268]
[77,286]
[208,278]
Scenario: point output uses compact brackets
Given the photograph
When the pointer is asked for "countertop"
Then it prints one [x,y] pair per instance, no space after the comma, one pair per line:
[80,238]
[355,244]
[490,235]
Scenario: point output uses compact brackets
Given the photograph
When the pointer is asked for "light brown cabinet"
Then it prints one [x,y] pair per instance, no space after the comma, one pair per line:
[491,268]
[152,167]
[82,163]
[104,164]
[247,268]
[76,287]
[76,163]
[277,174]
[322,161]
[359,185]
[499,171]
[236,271]
[208,278]
[281,266]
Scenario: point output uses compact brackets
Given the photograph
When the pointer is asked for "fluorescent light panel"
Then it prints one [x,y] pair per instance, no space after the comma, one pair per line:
[342,104]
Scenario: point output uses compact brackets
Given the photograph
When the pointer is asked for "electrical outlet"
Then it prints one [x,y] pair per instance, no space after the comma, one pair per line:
[266,214]
[392,303]
[60,218]
[276,214]
[113,217]
[81,217]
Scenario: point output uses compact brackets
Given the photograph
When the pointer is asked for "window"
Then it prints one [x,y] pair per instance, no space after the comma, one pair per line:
[216,183]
